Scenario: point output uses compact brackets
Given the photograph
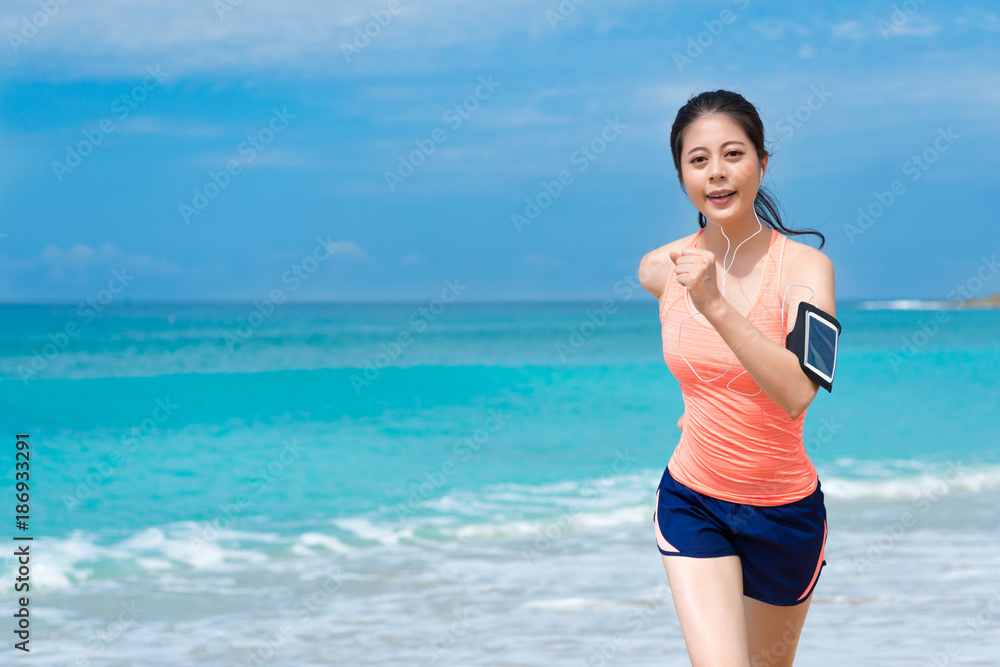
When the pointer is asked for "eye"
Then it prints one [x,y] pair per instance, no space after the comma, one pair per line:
[734,152]
[698,157]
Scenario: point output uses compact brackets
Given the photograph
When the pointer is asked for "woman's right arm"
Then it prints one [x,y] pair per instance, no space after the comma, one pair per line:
[653,274]
[655,269]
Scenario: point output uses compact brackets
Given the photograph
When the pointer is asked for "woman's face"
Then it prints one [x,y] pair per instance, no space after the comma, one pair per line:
[720,169]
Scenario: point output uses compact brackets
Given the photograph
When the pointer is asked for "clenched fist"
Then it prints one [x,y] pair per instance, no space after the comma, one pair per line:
[694,268]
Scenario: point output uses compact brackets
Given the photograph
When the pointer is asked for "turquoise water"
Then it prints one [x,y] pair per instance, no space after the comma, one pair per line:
[210,443]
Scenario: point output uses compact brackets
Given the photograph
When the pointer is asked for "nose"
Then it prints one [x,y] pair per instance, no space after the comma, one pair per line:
[716,170]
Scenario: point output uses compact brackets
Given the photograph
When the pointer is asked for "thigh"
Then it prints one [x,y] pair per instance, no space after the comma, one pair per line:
[708,597]
[688,523]
[773,631]
[782,549]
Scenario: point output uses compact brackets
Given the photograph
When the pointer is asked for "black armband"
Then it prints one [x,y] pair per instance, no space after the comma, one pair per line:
[814,341]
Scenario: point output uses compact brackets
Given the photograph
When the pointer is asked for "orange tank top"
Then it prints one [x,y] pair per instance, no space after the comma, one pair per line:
[735,446]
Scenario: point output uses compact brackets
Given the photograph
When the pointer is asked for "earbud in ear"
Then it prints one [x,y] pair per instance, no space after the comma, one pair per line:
[761,175]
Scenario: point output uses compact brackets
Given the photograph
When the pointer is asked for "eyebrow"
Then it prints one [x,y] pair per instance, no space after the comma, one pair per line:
[702,148]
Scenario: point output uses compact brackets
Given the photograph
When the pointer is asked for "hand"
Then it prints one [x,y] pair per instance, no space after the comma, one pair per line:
[695,270]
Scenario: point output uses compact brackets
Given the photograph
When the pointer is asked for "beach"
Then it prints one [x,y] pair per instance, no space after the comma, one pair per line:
[464,484]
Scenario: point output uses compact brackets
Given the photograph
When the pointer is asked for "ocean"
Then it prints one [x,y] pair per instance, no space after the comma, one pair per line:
[460,484]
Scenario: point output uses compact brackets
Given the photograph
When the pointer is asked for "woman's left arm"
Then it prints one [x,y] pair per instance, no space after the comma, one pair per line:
[774,368]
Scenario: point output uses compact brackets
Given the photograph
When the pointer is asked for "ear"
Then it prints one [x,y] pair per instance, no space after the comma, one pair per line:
[763,165]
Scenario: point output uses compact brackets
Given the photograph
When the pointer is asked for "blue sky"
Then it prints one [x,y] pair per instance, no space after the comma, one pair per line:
[223,150]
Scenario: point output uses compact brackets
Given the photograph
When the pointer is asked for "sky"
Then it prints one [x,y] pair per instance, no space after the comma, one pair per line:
[215,150]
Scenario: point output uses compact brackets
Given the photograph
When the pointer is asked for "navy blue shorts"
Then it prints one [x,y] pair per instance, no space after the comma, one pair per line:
[781,547]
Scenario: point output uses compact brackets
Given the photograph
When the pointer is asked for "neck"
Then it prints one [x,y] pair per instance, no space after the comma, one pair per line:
[757,236]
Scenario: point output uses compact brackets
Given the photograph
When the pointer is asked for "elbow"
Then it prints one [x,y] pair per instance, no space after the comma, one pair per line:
[798,399]
[795,412]
[797,406]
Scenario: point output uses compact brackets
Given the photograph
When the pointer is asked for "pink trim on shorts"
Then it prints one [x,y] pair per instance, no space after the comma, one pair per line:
[819,564]
[662,541]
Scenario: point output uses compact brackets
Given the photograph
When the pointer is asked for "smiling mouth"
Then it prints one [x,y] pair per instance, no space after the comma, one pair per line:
[722,196]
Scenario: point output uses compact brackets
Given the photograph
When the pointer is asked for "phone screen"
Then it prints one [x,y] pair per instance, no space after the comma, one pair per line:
[821,346]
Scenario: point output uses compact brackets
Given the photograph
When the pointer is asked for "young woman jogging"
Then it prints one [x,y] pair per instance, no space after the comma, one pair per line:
[739,518]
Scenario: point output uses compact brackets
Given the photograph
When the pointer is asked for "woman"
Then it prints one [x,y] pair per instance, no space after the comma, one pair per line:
[739,520]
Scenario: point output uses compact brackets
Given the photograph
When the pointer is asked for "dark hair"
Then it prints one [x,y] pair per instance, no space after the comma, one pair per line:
[745,115]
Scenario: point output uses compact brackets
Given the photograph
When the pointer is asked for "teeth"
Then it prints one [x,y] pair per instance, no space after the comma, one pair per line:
[721,196]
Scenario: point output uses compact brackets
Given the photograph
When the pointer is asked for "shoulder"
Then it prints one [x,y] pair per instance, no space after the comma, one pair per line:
[803,261]
[656,266]
[805,265]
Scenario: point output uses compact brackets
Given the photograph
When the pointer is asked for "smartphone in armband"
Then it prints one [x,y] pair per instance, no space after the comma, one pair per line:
[814,342]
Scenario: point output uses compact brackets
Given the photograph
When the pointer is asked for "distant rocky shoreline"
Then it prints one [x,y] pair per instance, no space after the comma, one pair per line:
[989,302]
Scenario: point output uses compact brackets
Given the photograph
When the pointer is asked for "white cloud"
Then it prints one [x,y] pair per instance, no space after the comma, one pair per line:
[157,125]
[349,249]
[850,30]
[523,117]
[114,37]
[914,26]
[280,158]
[776,29]
[662,98]
[80,261]
[988,21]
